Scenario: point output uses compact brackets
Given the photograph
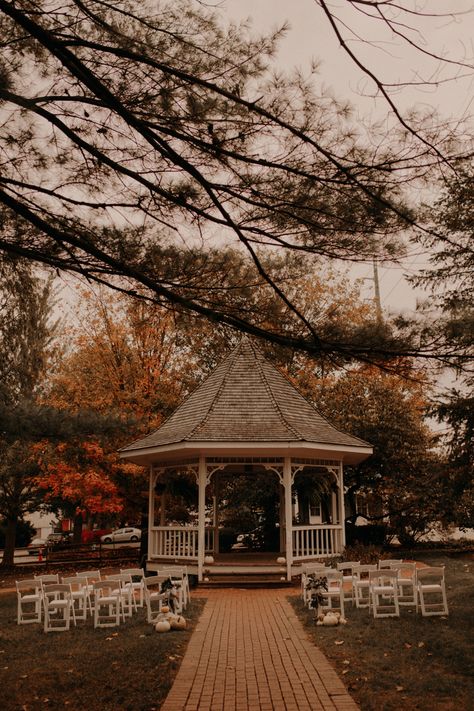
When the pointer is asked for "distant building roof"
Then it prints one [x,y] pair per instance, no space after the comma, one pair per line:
[245,399]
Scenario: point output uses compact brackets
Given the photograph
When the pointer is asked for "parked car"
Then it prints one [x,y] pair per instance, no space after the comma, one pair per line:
[35,545]
[122,535]
[56,538]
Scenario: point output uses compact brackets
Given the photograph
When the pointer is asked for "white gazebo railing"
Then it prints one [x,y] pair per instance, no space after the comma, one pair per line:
[177,542]
[316,541]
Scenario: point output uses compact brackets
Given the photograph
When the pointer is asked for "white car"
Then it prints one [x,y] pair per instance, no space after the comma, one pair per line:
[122,535]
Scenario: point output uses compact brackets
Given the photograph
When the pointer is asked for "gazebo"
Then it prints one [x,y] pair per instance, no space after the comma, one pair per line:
[245,417]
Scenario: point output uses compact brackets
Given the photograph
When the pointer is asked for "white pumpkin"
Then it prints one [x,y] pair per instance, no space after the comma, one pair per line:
[178,623]
[281,560]
[162,626]
[208,560]
[330,620]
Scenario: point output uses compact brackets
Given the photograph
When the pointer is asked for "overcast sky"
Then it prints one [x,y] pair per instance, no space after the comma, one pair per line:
[310,37]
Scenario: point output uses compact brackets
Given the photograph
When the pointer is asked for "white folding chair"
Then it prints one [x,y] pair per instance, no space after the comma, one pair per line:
[137,577]
[179,579]
[309,572]
[406,583]
[362,584]
[58,607]
[431,591]
[87,579]
[124,590]
[107,603]
[348,578]
[79,595]
[29,595]
[155,598]
[335,591]
[383,591]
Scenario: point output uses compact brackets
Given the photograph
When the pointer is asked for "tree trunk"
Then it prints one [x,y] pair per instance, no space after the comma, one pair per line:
[8,561]
[77,529]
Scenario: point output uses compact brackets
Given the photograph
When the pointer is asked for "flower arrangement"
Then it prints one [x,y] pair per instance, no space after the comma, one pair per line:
[317,586]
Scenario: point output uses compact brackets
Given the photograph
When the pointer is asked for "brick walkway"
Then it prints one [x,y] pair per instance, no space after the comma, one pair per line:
[249,652]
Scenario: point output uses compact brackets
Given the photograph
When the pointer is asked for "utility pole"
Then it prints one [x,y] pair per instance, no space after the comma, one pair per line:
[378,303]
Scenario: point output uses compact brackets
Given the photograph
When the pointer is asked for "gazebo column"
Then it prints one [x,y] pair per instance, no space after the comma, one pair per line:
[287,482]
[215,522]
[342,512]
[202,483]
[281,492]
[151,509]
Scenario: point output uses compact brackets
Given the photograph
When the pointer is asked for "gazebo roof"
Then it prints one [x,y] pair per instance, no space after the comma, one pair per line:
[245,400]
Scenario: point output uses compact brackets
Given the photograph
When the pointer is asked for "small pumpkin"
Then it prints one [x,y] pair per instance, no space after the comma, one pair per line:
[178,623]
[330,620]
[162,626]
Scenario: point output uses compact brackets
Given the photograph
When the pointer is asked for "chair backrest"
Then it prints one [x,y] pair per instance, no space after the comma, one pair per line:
[28,584]
[348,565]
[57,590]
[433,574]
[155,581]
[74,581]
[101,588]
[389,562]
[318,571]
[137,573]
[363,570]
[334,577]
[48,579]
[89,574]
[406,569]
[384,575]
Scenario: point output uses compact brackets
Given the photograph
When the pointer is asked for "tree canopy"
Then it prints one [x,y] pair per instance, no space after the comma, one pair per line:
[135,135]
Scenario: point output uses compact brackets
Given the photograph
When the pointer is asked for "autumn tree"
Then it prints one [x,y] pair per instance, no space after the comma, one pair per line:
[136,135]
[404,472]
[25,335]
[450,280]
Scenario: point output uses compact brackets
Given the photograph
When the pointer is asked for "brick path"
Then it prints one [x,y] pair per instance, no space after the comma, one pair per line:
[249,652]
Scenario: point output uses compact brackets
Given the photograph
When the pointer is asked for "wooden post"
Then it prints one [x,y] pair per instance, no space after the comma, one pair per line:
[288,517]
[202,482]
[151,511]
[342,508]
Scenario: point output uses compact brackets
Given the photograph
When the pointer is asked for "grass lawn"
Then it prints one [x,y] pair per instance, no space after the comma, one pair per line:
[415,662]
[126,667]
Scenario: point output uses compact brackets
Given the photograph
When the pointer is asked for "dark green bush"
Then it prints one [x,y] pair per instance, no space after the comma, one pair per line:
[24,533]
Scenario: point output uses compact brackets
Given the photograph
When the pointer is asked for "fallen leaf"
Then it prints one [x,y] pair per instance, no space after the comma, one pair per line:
[339,641]
[407,646]
[345,671]
[421,644]
[400,688]
[346,661]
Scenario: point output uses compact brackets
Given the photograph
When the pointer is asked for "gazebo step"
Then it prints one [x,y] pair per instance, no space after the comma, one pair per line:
[242,580]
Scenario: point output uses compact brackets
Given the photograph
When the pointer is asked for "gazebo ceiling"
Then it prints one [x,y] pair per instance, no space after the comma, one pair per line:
[246,407]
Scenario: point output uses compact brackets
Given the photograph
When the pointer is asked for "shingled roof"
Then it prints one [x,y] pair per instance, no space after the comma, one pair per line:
[245,399]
